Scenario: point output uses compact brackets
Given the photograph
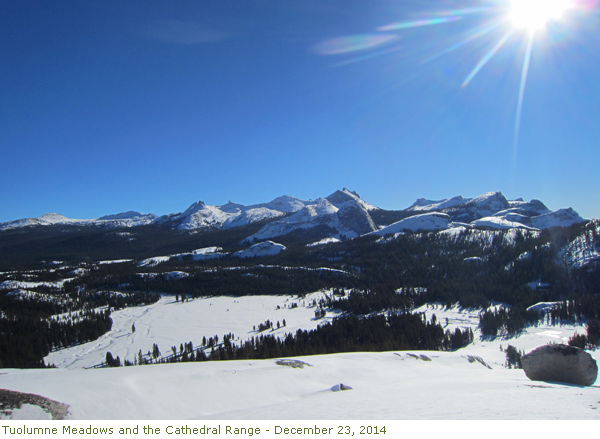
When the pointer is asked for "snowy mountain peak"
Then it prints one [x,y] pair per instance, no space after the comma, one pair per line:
[129,215]
[344,196]
[195,207]
[423,204]
[200,215]
[287,204]
[532,208]
[559,218]
[491,200]
[343,212]
[53,218]
[321,207]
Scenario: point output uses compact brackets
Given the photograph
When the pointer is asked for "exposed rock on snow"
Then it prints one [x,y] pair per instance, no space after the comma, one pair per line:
[419,357]
[560,363]
[296,364]
[475,358]
[340,387]
[11,401]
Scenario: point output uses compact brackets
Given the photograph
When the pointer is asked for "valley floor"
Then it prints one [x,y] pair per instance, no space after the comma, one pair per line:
[385,385]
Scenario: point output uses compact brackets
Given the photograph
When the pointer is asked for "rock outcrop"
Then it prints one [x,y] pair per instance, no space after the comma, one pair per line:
[11,400]
[560,363]
[340,388]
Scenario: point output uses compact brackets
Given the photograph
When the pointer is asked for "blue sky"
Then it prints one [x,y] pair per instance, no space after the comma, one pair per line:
[108,106]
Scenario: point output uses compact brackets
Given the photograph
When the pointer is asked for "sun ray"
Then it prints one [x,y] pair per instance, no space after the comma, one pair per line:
[473,35]
[486,58]
[520,98]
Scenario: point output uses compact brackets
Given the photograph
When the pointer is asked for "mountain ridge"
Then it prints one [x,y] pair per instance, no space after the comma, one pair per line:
[344,213]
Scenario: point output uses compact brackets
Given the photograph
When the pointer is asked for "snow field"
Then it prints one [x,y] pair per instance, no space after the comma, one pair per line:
[385,385]
[169,323]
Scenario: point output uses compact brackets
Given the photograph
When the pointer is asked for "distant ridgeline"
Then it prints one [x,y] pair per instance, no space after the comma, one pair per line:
[379,278]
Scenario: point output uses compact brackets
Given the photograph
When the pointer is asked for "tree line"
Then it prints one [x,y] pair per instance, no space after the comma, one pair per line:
[347,333]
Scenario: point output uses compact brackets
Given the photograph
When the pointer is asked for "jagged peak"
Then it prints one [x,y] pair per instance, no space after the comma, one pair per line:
[342,196]
[198,205]
[345,197]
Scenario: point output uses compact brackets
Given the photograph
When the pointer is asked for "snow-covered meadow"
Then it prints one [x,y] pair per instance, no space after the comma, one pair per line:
[169,323]
[385,385]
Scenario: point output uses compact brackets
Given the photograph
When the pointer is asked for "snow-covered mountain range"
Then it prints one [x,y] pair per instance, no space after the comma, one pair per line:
[125,219]
[342,214]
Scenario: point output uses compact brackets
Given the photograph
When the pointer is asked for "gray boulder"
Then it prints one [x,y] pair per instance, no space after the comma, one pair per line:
[560,363]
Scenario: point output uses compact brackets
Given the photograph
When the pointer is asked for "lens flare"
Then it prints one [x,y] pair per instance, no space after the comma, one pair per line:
[497,25]
[352,43]
[473,35]
[417,23]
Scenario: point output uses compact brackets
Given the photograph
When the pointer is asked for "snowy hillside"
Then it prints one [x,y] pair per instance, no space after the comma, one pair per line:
[501,222]
[267,248]
[471,383]
[423,222]
[584,250]
[560,218]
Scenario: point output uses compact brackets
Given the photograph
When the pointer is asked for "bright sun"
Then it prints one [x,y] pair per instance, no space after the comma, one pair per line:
[533,15]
